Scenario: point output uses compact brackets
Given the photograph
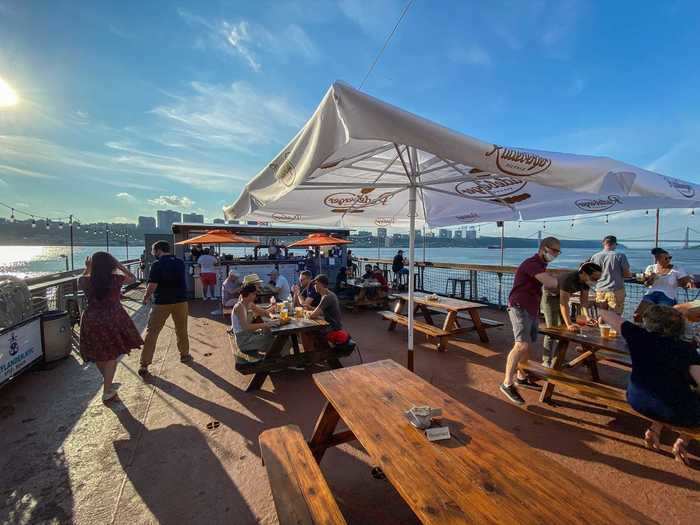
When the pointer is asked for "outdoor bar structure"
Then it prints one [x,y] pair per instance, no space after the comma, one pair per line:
[255,258]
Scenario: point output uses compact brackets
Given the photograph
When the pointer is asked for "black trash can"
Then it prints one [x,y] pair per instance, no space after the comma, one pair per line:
[57,331]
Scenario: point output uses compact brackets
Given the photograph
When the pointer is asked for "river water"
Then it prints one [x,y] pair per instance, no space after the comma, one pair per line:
[29,261]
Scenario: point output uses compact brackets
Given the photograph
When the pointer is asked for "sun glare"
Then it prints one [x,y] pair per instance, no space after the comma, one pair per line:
[8,97]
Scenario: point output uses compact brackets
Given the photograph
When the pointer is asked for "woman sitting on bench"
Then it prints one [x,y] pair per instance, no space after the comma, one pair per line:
[665,373]
[251,337]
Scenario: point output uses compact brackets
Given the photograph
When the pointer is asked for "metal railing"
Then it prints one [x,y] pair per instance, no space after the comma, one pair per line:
[488,284]
[59,291]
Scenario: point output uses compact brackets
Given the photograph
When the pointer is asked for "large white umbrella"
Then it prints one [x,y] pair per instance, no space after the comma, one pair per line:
[359,161]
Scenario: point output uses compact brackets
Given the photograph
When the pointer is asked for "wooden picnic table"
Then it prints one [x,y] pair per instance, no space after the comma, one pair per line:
[482,474]
[591,342]
[273,360]
[364,283]
[451,306]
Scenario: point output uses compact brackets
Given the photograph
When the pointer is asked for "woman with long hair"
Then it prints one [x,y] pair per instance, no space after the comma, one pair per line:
[106,330]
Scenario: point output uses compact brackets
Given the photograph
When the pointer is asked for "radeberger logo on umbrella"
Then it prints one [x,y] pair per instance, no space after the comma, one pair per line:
[285,217]
[601,204]
[469,217]
[519,163]
[685,189]
[490,187]
[284,169]
[384,221]
[349,202]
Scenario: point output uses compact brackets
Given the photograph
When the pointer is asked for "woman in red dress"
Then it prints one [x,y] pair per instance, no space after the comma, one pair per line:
[106,330]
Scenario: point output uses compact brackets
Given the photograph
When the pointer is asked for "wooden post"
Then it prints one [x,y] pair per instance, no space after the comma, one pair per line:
[656,243]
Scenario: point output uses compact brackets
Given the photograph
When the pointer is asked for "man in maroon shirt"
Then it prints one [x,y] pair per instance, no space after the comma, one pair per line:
[524,312]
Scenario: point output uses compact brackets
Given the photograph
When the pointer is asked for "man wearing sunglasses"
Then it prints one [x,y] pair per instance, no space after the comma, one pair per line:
[524,311]
[663,279]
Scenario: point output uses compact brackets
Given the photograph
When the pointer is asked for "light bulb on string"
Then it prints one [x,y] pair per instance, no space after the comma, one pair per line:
[692,212]
[60,225]
[606,219]
[572,223]
[544,225]
[646,212]
[12,216]
[48,224]
[33,222]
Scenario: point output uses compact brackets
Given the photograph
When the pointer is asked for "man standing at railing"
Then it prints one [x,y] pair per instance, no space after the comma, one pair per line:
[610,291]
[167,286]
[524,312]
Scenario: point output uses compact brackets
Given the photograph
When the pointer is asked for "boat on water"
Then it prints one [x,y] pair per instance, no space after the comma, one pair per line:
[494,247]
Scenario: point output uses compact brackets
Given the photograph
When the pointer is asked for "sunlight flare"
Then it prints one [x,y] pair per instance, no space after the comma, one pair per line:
[8,97]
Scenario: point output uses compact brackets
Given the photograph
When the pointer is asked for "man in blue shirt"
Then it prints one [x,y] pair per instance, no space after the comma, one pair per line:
[168,289]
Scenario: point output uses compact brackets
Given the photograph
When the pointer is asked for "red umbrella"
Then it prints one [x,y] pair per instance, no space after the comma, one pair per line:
[218,237]
[319,239]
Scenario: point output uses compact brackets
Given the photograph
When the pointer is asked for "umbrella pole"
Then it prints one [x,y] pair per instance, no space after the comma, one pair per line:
[656,242]
[411,270]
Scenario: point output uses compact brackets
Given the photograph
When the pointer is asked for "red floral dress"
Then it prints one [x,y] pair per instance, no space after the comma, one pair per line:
[106,330]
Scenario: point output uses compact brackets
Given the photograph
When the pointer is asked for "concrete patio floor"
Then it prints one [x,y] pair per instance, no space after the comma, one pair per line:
[67,458]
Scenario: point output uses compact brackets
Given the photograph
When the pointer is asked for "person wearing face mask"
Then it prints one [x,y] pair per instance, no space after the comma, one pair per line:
[524,310]
[555,303]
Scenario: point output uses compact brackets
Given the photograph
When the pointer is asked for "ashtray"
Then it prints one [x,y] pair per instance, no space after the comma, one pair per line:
[422,416]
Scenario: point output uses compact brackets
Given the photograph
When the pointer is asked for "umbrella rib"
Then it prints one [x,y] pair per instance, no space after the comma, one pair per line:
[497,202]
[454,166]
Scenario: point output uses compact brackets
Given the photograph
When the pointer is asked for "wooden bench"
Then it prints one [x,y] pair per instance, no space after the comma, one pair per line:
[488,323]
[428,330]
[609,396]
[331,355]
[605,356]
[299,490]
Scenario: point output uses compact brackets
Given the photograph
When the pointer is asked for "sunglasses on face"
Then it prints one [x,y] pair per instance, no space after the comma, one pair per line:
[554,250]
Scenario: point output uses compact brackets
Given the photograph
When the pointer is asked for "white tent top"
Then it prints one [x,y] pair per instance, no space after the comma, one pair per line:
[353,162]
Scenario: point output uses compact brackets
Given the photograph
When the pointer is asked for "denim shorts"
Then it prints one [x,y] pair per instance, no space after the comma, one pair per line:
[525,327]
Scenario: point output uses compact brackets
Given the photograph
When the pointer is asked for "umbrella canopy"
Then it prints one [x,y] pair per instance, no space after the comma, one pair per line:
[218,237]
[359,161]
[318,239]
[354,162]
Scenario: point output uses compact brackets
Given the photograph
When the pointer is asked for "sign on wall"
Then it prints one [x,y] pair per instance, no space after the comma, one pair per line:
[20,347]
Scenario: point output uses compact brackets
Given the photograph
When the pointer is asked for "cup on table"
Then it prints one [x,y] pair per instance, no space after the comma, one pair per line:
[581,320]
[284,314]
[299,312]
[307,314]
[613,333]
[604,331]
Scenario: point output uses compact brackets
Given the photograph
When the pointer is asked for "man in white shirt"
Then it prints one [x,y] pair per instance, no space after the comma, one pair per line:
[207,273]
[279,285]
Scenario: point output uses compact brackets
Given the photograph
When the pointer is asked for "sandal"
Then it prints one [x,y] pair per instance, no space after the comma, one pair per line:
[680,451]
[112,397]
[652,440]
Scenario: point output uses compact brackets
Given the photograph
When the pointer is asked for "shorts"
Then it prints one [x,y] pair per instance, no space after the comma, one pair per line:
[525,327]
[659,298]
[208,279]
[614,300]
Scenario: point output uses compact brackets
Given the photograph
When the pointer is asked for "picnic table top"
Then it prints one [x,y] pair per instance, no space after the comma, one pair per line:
[299,325]
[443,303]
[482,474]
[589,336]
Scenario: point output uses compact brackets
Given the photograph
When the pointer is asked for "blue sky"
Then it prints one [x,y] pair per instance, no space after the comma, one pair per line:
[128,107]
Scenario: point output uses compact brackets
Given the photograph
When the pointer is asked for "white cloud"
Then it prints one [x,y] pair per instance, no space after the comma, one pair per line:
[238,37]
[126,197]
[473,55]
[249,41]
[172,200]
[235,116]
[375,18]
[12,170]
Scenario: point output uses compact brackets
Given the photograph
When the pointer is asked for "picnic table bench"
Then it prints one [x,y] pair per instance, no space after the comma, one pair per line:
[273,360]
[606,395]
[299,490]
[454,310]
[481,474]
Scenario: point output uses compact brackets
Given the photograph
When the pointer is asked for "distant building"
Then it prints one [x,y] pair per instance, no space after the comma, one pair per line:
[193,217]
[234,222]
[444,233]
[147,224]
[166,218]
[458,234]
[219,221]
[381,232]
[419,233]
[364,234]
[470,234]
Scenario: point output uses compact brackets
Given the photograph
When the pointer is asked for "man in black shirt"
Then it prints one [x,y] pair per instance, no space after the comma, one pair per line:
[399,269]
[167,287]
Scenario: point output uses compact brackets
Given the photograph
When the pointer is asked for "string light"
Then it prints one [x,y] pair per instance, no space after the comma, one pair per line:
[12,217]
[544,225]
[60,225]
[572,223]
[606,219]
[692,212]
[33,223]
[646,212]
[48,225]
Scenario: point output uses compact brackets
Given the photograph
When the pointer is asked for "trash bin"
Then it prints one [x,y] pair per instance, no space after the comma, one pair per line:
[56,329]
